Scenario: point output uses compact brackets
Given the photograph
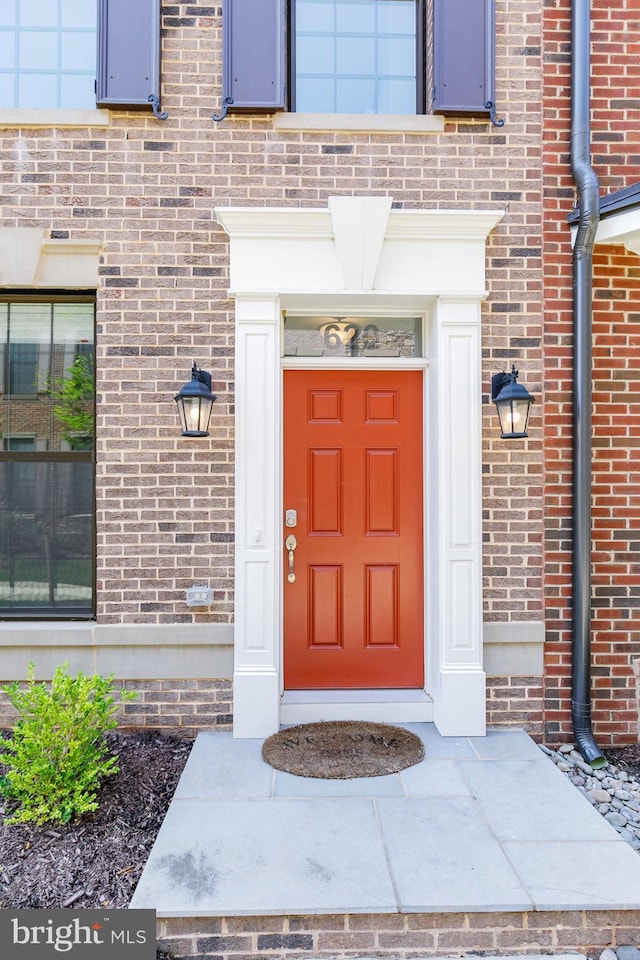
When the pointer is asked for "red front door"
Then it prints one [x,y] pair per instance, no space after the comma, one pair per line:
[353,454]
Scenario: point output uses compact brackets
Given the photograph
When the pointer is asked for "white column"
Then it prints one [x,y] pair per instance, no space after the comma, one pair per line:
[256,686]
[455,520]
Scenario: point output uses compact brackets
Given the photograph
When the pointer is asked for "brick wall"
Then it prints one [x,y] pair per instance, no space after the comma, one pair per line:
[399,935]
[616,489]
[180,707]
[147,190]
[516,702]
[184,707]
[616,357]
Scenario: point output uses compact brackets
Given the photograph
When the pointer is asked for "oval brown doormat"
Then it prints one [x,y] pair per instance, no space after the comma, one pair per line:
[343,749]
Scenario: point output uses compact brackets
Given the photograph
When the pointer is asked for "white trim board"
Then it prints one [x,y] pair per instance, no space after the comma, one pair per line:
[312,258]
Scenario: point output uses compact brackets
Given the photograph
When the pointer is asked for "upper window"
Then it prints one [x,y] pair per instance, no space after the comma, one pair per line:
[47,53]
[357,56]
[76,54]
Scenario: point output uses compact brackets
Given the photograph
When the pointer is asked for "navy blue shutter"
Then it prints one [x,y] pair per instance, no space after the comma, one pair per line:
[463,55]
[128,53]
[254,68]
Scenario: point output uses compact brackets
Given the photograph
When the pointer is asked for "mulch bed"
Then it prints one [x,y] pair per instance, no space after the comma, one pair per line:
[628,757]
[342,749]
[96,862]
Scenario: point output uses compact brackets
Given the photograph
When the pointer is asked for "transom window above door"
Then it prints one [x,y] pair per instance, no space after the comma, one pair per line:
[357,56]
[332,337]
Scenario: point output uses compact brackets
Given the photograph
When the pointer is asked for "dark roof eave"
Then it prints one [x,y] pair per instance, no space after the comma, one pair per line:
[611,203]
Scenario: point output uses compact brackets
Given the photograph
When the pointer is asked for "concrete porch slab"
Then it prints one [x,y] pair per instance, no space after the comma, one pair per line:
[481,824]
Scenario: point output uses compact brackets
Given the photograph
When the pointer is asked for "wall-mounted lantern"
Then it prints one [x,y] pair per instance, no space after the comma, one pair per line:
[195,401]
[513,403]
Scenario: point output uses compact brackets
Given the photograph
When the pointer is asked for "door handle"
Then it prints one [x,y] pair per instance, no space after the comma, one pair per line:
[290,544]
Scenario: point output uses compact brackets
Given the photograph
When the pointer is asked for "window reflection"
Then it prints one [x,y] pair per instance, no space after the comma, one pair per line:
[46,535]
[46,464]
[46,374]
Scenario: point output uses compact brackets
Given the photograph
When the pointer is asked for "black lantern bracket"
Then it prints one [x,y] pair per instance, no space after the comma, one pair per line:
[500,380]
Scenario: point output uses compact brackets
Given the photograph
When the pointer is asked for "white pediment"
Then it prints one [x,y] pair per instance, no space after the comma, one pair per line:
[357,244]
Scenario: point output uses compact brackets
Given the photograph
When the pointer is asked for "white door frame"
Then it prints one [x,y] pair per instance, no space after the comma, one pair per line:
[360,251]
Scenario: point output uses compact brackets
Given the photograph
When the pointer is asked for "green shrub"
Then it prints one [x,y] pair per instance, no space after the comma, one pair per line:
[57,756]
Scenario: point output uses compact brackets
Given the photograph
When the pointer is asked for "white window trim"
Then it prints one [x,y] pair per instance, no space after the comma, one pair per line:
[29,258]
[360,122]
[11,117]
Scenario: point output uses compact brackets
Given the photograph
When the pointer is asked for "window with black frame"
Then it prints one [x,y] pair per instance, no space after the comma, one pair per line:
[47,417]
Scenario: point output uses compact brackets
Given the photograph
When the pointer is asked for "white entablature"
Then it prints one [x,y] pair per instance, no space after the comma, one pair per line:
[357,244]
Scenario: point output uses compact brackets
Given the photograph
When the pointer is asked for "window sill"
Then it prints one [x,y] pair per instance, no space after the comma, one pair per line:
[25,117]
[359,122]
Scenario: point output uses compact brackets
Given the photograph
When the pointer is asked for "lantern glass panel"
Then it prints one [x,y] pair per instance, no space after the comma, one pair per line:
[195,413]
[514,417]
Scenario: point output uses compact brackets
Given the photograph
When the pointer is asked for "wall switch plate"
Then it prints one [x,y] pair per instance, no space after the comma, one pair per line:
[199,596]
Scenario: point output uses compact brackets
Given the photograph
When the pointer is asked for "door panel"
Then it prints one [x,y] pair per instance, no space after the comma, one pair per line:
[382,606]
[381,492]
[353,455]
[326,486]
[325,606]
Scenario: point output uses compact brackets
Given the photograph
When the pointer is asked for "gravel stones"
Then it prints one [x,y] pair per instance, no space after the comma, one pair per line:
[608,954]
[620,953]
[628,953]
[614,793]
[599,796]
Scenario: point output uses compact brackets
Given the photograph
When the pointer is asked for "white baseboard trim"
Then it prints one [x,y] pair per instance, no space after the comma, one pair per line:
[382,706]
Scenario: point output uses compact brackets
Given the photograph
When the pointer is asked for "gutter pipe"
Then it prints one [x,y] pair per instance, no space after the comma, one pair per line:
[589,215]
